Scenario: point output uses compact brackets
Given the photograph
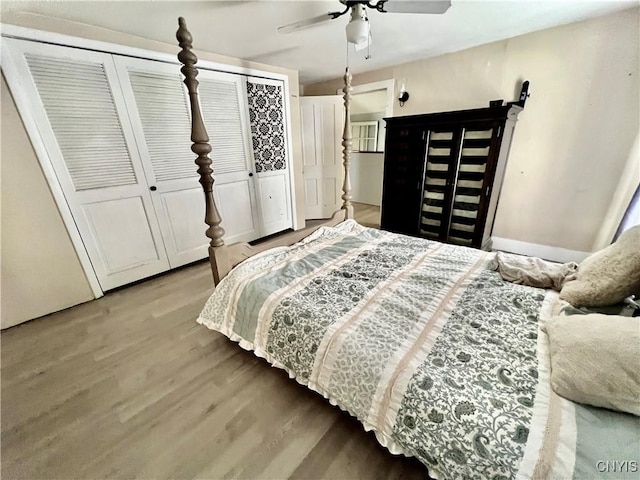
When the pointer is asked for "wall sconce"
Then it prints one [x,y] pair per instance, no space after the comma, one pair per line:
[403,95]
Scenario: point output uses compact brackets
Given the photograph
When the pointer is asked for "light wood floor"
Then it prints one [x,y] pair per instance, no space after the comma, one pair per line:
[129,386]
[367,215]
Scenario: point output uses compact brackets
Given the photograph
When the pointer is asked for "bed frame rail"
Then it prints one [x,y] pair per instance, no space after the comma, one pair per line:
[224,257]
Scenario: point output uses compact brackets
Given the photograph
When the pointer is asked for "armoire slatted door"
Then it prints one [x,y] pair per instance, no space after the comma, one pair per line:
[443,173]
[456,183]
[403,178]
[78,105]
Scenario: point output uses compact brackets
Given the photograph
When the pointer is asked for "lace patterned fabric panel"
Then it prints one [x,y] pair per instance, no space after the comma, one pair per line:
[266,117]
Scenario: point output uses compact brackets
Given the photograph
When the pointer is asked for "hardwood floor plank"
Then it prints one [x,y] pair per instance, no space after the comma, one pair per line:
[130,386]
[316,461]
[367,215]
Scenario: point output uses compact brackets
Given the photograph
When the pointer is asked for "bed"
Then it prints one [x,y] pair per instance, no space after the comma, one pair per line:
[421,341]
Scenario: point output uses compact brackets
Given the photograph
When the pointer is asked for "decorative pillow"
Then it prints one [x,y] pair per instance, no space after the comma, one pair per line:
[595,359]
[608,276]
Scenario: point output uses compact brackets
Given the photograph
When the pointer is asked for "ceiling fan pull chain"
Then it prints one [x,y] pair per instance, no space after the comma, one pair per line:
[347,54]
[368,56]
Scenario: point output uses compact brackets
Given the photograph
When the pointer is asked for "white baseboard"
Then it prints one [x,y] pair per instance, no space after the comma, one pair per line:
[546,252]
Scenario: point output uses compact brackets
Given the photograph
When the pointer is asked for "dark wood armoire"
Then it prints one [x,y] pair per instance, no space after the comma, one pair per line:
[443,173]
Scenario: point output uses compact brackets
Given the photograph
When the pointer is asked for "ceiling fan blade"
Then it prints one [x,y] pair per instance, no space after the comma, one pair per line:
[309,22]
[415,6]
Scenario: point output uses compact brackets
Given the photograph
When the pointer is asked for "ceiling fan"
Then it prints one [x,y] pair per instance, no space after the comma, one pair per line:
[358,28]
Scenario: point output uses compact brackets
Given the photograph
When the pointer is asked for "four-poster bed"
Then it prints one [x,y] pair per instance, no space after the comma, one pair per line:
[421,341]
[224,257]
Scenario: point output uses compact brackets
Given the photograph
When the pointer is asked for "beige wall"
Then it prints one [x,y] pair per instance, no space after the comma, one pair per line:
[575,134]
[28,293]
[40,271]
[366,177]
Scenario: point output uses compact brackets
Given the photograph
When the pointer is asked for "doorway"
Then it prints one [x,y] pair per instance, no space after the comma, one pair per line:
[370,104]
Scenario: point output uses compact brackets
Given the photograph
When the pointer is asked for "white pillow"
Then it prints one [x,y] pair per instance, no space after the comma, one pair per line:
[608,276]
[595,359]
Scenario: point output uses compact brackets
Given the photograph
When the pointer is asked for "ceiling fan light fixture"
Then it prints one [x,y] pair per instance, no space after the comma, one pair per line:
[357,31]
[359,14]
[361,46]
[358,28]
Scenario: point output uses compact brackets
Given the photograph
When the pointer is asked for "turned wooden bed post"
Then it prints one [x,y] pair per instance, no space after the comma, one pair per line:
[200,139]
[225,257]
[346,146]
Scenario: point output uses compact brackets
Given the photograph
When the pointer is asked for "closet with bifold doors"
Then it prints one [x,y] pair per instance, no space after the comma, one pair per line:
[116,130]
[443,173]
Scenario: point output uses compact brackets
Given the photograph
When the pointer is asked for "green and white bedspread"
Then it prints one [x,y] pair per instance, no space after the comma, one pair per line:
[420,341]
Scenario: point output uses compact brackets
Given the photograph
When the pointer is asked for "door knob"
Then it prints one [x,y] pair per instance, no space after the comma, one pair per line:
[153,188]
[251,174]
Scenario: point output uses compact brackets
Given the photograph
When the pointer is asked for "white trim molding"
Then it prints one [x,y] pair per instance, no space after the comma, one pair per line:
[546,252]
[289,134]
[388,85]
[42,36]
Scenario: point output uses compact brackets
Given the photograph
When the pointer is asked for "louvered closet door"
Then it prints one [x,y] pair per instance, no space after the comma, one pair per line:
[80,113]
[223,102]
[161,118]
[267,118]
[159,113]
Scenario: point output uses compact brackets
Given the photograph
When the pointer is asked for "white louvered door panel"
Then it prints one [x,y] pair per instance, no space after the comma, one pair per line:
[159,113]
[79,110]
[223,103]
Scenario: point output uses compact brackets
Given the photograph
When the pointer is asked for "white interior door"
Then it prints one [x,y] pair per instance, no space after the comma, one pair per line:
[160,117]
[322,121]
[79,110]
[266,109]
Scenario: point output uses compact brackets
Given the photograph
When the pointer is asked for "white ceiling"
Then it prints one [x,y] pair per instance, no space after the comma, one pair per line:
[247,29]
